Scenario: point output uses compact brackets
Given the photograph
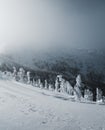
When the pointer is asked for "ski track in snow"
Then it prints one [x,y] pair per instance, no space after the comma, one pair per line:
[23,107]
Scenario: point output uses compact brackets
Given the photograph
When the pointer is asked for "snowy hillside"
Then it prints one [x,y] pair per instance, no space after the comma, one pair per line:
[23,107]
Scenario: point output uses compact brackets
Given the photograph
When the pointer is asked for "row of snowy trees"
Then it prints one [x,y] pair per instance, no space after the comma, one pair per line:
[60,85]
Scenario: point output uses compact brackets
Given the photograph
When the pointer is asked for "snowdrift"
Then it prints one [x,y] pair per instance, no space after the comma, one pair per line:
[28,108]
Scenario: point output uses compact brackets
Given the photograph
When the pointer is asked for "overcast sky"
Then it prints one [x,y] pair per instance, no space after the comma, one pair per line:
[43,24]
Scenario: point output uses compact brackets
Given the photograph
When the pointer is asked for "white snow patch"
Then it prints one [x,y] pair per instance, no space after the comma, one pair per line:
[23,107]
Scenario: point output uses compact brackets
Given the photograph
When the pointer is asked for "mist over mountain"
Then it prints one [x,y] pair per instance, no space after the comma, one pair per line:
[34,32]
[83,59]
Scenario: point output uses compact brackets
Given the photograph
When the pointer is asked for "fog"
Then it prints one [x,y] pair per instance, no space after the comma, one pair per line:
[45,24]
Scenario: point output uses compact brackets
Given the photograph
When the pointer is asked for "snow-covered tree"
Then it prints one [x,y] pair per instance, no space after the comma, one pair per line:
[77,87]
[21,74]
[40,85]
[14,72]
[50,87]
[98,95]
[69,88]
[58,82]
[36,83]
[63,86]
[28,77]
[46,84]
[78,81]
[56,85]
[39,82]
[88,95]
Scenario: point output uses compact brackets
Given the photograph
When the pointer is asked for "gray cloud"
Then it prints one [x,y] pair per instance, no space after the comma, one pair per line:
[39,24]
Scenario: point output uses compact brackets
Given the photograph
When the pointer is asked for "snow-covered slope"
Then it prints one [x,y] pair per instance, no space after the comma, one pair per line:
[23,107]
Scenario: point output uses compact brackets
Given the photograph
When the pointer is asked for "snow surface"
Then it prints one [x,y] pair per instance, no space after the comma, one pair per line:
[23,107]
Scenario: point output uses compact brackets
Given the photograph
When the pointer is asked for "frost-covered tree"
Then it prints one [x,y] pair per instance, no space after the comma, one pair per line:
[40,85]
[69,88]
[39,82]
[78,81]
[36,83]
[88,95]
[98,94]
[77,87]
[21,74]
[28,77]
[56,85]
[63,86]
[58,82]
[14,72]
[50,87]
[46,84]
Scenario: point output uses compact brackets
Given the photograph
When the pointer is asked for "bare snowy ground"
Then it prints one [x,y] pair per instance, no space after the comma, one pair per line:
[23,107]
